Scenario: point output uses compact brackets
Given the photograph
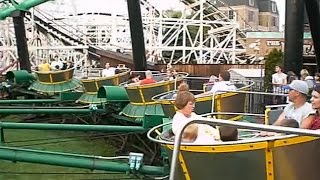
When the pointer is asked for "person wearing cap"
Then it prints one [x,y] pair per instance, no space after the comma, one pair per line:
[298,107]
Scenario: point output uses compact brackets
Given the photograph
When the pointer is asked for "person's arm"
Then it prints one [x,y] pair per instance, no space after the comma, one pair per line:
[306,122]
[285,80]
[273,79]
[279,120]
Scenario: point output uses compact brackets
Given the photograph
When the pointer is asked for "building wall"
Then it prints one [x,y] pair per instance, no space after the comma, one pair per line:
[268,21]
[267,44]
[250,17]
[242,14]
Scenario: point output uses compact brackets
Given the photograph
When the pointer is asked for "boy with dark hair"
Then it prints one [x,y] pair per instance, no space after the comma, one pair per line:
[228,133]
[289,123]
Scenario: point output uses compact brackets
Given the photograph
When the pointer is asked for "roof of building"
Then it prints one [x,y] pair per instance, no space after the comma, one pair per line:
[249,73]
[252,3]
[275,35]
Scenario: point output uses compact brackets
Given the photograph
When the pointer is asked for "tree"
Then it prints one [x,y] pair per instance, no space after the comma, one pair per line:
[274,58]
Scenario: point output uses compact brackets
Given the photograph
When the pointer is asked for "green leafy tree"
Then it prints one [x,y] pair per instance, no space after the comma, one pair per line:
[274,58]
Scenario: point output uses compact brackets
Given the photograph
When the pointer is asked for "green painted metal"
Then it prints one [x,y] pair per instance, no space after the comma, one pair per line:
[72,127]
[29,101]
[139,111]
[31,110]
[91,99]
[74,160]
[20,76]
[57,87]
[25,5]
[151,120]
[113,93]
[70,96]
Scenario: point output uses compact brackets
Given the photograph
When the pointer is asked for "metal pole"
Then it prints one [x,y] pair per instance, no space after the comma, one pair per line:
[29,101]
[48,111]
[137,39]
[313,11]
[74,160]
[71,127]
[21,40]
[294,36]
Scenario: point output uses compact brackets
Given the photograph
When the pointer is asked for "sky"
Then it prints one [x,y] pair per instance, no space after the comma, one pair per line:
[281,6]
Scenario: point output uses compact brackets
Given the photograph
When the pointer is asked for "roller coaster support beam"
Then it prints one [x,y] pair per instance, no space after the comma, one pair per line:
[21,39]
[74,160]
[25,5]
[313,11]
[71,127]
[294,35]
[137,38]
[70,110]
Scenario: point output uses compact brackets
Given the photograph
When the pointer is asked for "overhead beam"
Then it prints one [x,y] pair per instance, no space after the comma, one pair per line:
[294,35]
[25,5]
[137,38]
[312,7]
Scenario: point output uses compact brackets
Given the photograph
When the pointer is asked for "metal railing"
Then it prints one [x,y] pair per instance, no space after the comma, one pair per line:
[219,122]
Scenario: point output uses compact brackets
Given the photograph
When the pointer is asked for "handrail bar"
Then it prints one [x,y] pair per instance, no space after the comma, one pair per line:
[220,122]
[202,115]
[275,106]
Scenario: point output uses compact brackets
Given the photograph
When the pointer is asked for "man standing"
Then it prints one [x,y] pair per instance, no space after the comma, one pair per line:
[279,79]
[108,71]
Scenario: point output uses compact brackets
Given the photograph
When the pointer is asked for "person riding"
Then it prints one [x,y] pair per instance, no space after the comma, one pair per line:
[298,108]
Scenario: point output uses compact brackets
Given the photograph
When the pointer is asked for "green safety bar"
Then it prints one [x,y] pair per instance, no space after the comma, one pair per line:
[71,127]
[74,160]
[25,5]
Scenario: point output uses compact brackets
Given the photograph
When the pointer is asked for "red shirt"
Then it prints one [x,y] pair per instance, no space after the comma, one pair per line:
[147,81]
[316,122]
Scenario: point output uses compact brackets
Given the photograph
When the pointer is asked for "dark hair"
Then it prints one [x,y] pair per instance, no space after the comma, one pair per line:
[183,98]
[133,76]
[280,66]
[225,75]
[317,74]
[289,123]
[228,133]
[316,88]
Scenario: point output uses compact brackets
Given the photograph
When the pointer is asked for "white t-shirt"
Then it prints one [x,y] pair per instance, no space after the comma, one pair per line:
[278,78]
[108,72]
[298,114]
[223,86]
[206,133]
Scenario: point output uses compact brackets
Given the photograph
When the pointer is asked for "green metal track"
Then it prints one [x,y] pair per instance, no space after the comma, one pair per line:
[25,5]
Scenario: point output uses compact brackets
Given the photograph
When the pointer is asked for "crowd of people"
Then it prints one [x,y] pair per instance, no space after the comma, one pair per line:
[300,111]
[44,66]
[280,80]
